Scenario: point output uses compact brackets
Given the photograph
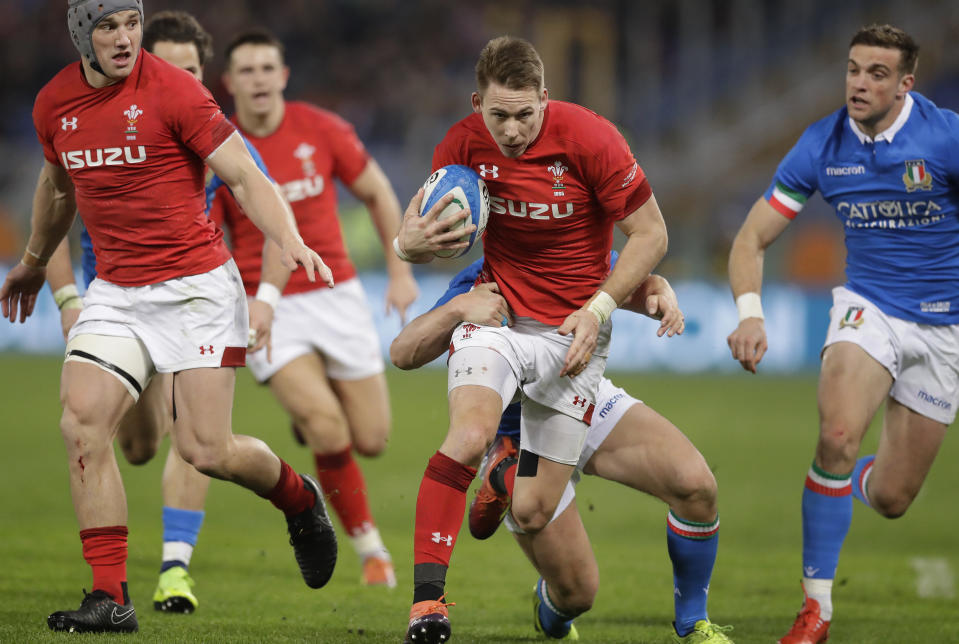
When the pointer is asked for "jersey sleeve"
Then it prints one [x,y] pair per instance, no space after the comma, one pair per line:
[619,183]
[795,178]
[196,118]
[349,154]
[461,283]
[41,120]
[449,151]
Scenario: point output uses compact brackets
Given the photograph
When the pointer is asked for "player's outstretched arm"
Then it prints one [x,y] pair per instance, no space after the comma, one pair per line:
[428,336]
[762,226]
[64,288]
[655,298]
[54,208]
[420,237]
[262,202]
[273,278]
[373,188]
[646,242]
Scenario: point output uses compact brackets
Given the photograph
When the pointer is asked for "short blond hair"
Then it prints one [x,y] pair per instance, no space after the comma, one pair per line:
[510,62]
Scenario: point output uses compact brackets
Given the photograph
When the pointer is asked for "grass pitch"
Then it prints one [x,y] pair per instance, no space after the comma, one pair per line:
[757,433]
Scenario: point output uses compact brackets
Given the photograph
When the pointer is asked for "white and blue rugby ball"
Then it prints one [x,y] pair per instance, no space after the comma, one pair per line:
[468,190]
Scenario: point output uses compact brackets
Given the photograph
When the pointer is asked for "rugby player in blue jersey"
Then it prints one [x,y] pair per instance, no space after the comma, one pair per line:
[887,163]
[628,442]
[177,38]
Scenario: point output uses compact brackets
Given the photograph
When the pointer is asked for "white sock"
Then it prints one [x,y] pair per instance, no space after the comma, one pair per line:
[821,591]
[369,543]
[177,551]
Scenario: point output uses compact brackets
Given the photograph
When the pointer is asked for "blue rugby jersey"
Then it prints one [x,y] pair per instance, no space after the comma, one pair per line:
[898,199]
[89,260]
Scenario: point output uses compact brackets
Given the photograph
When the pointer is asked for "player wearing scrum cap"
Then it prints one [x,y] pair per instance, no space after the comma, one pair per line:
[125,136]
[177,38]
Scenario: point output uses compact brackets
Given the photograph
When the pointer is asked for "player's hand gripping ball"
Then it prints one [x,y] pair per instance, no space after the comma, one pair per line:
[469,191]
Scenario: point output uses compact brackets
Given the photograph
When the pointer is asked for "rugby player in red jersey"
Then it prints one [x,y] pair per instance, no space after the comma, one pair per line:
[125,136]
[559,176]
[325,366]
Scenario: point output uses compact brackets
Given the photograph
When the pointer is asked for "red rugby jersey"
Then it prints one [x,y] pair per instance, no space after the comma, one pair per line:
[309,149]
[552,210]
[135,151]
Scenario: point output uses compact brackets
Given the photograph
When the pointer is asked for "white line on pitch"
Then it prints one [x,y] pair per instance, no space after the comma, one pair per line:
[934,578]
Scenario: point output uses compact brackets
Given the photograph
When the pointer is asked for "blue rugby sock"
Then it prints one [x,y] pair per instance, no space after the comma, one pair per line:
[860,478]
[553,622]
[692,549]
[181,528]
[826,516]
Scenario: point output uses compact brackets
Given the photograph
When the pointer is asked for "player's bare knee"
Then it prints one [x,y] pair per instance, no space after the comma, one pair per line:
[137,452]
[891,505]
[468,442]
[370,443]
[838,444]
[531,518]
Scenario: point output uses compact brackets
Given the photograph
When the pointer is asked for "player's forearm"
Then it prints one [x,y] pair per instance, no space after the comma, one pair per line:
[54,208]
[385,213]
[273,271]
[265,206]
[642,252]
[746,264]
[60,268]
[425,338]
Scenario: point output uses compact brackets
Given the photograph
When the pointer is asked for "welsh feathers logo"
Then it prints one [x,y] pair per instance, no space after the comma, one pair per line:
[304,152]
[558,170]
[853,318]
[132,115]
[916,177]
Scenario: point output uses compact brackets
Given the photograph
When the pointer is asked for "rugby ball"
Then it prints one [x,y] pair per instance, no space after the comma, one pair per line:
[468,190]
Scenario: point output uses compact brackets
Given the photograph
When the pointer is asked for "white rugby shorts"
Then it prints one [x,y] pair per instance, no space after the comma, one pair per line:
[611,403]
[334,322]
[923,359]
[535,353]
[185,323]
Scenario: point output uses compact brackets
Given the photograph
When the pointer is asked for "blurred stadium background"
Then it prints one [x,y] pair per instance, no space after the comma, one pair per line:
[710,94]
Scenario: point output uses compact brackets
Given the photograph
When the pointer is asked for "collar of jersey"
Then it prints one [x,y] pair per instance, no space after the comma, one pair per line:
[890,132]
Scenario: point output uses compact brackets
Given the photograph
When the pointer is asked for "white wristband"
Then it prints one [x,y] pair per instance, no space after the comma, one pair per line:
[67,297]
[602,306]
[269,294]
[399,251]
[749,306]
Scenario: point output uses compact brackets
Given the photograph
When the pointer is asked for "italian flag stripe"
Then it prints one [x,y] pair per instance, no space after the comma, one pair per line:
[692,529]
[827,484]
[787,202]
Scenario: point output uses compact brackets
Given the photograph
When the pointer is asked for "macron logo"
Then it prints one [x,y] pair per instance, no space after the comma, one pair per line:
[439,538]
[118,618]
[845,170]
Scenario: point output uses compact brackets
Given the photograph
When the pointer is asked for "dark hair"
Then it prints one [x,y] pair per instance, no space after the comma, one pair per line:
[891,38]
[254,37]
[510,62]
[178,26]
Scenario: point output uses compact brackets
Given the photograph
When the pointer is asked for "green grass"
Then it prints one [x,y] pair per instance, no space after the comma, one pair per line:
[756,432]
